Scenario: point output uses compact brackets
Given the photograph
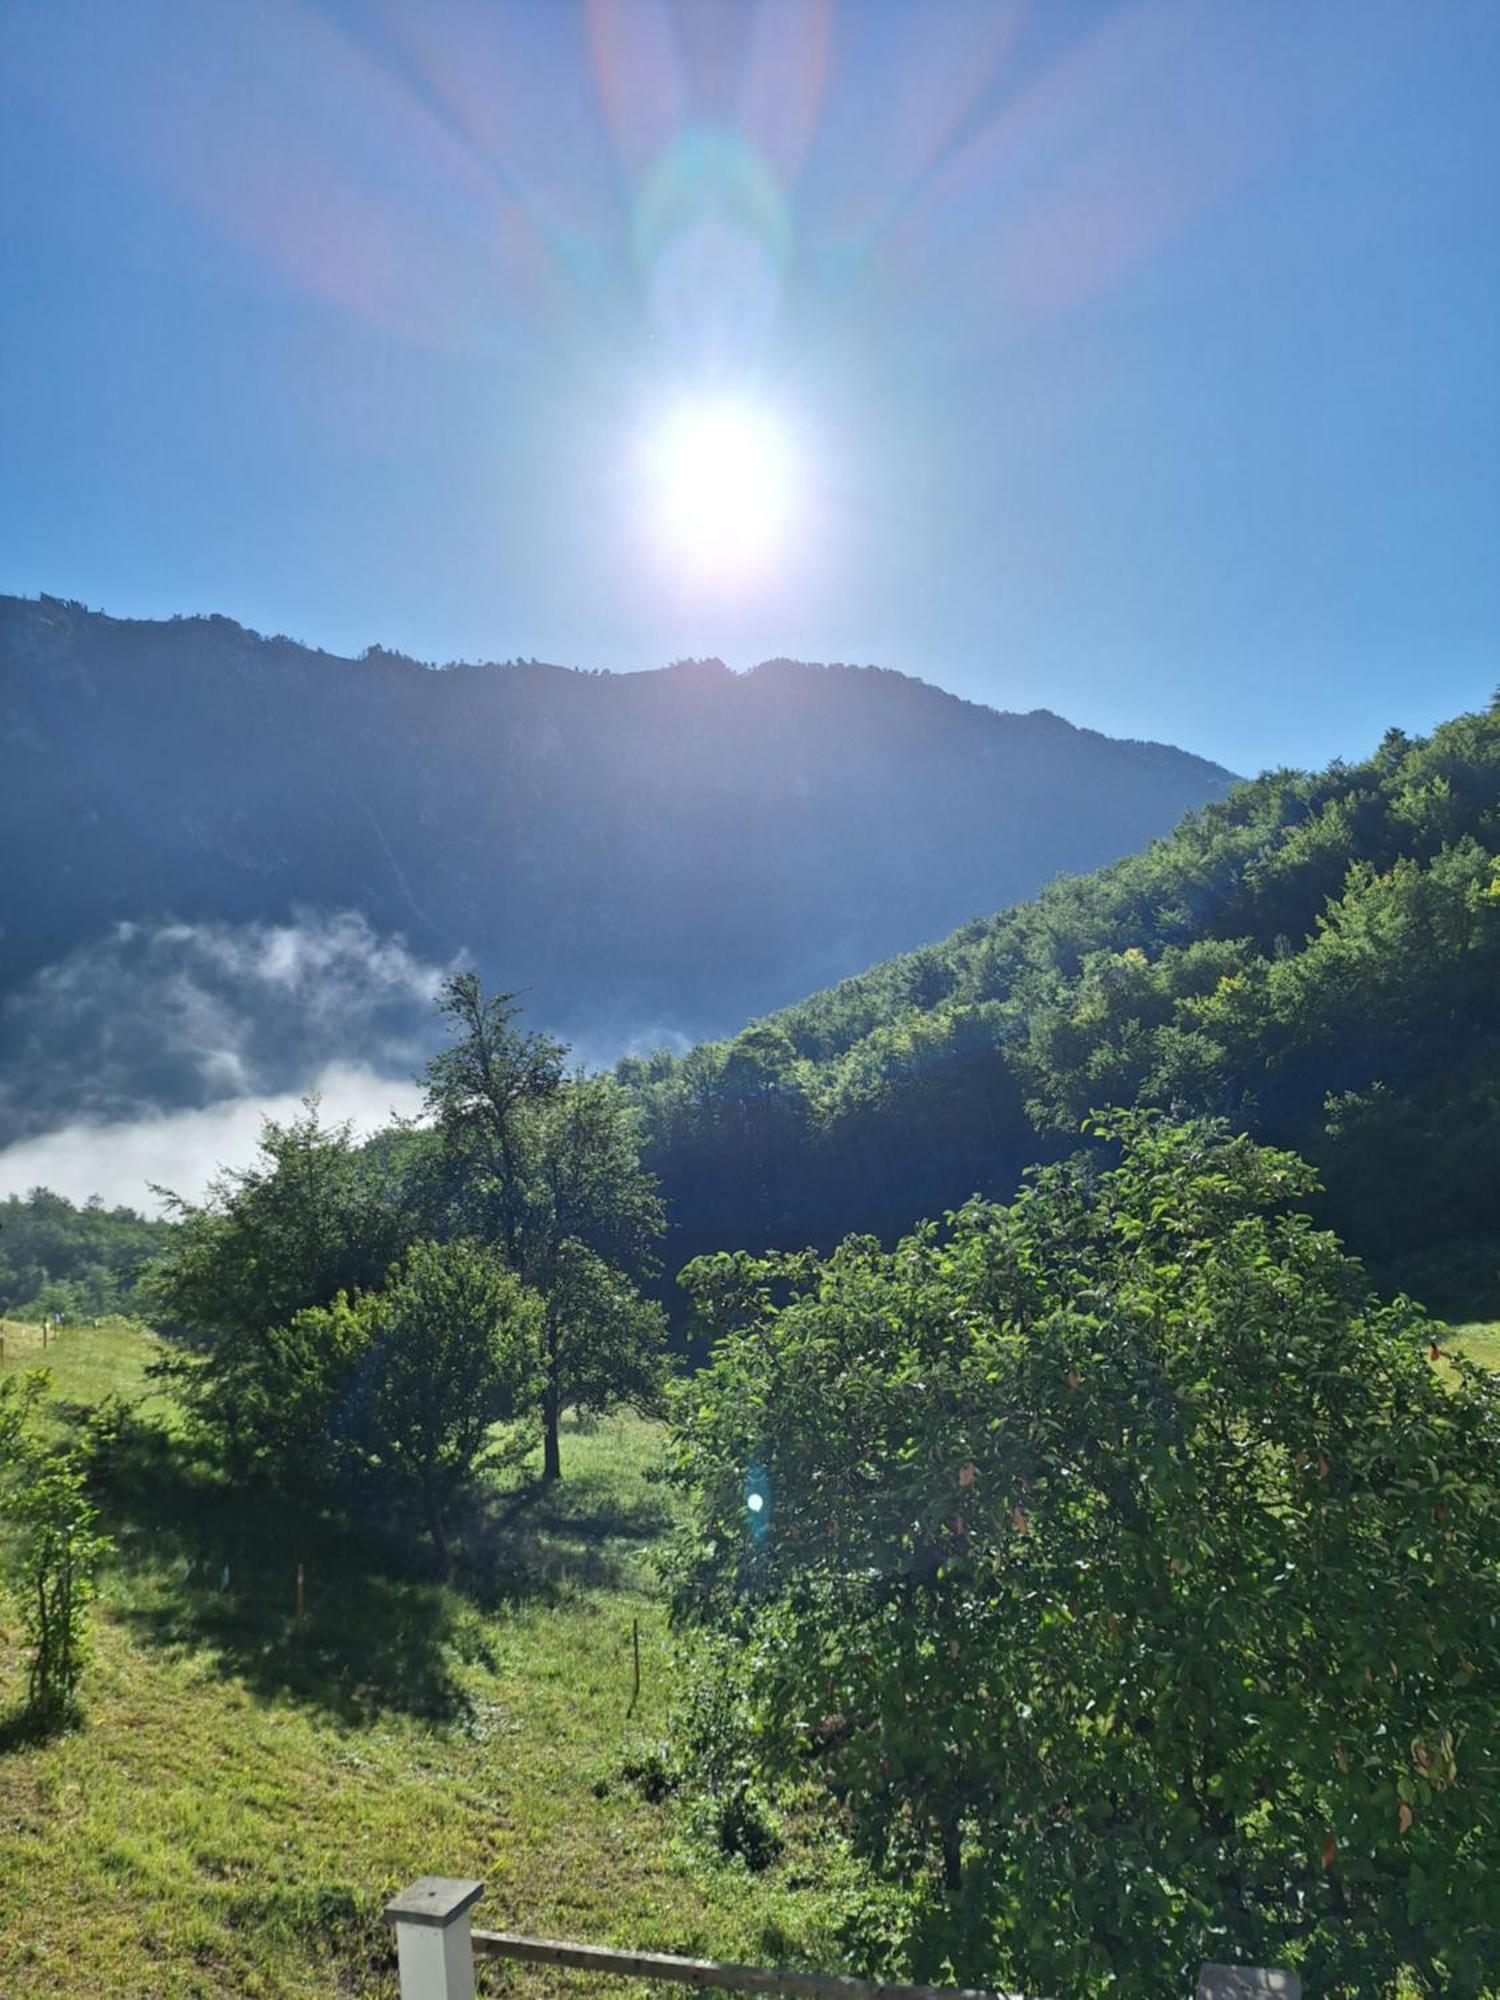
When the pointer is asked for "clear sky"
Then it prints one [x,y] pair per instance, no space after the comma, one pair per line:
[1137,361]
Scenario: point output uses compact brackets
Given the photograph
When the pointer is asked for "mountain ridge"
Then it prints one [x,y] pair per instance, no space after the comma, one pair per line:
[679,849]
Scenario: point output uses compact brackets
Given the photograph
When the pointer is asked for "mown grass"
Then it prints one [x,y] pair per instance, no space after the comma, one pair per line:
[1479,1341]
[248,1791]
[85,1363]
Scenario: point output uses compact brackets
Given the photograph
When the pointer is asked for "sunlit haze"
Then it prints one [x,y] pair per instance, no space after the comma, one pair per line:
[1123,329]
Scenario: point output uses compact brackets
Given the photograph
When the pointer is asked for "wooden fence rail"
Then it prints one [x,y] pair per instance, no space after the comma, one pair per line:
[701,1972]
[436,1948]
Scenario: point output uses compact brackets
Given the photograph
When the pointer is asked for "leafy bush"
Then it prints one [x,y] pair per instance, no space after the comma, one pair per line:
[1127,1575]
[53,1555]
[707,1760]
[744,1828]
[440,1357]
[315,1217]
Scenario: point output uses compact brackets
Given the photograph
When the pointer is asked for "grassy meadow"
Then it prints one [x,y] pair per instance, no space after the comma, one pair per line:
[1480,1342]
[247,1791]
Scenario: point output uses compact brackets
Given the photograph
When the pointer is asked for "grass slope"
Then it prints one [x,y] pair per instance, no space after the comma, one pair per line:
[246,1795]
[1479,1342]
[85,1363]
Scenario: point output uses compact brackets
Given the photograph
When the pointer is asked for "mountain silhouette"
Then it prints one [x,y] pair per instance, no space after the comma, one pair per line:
[664,852]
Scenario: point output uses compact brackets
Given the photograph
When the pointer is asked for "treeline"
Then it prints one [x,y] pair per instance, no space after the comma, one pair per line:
[79,1262]
[1316,958]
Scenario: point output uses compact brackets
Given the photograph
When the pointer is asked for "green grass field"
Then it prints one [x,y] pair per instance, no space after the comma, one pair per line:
[246,1793]
[85,1364]
[1480,1342]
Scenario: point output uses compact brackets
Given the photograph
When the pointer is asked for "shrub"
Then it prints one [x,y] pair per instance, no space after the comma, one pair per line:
[53,1557]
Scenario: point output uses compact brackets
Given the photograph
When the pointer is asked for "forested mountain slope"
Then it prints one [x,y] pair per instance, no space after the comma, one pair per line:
[1317,957]
[672,851]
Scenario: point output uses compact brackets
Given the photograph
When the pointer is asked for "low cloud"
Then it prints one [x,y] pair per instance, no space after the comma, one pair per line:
[154,1053]
[183,1150]
[181,1016]
[604,1049]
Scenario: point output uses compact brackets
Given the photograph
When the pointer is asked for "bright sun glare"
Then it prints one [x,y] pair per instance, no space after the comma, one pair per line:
[723,481]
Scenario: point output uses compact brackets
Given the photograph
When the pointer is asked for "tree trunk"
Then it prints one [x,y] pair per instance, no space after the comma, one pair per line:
[953,1866]
[551,1455]
[439,1537]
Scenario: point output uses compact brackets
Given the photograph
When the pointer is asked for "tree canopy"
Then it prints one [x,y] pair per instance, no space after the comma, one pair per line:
[307,1283]
[1315,956]
[1126,1573]
[77,1260]
[547,1166]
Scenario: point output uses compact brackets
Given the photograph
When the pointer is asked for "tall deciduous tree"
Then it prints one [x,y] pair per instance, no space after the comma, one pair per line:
[592,1218]
[480,1092]
[547,1166]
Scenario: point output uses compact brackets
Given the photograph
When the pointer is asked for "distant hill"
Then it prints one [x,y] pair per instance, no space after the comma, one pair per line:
[1316,957]
[653,853]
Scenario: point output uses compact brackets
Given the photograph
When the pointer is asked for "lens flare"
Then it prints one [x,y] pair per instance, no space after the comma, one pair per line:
[723,488]
[758,1504]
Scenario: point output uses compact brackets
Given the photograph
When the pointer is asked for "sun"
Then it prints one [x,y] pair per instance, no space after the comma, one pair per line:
[723,488]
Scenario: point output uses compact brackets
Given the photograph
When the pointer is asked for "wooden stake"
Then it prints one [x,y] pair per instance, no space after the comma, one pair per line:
[635,1692]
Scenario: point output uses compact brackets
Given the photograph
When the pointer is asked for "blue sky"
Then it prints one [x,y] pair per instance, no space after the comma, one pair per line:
[1139,361]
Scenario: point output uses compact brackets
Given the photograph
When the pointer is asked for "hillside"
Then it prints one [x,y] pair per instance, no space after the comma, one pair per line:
[667,852]
[1316,957]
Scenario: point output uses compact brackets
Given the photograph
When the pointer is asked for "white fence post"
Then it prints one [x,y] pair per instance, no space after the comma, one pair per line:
[434,1945]
[1246,1982]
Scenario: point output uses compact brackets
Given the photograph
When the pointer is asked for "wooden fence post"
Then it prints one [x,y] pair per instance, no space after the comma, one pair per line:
[434,1944]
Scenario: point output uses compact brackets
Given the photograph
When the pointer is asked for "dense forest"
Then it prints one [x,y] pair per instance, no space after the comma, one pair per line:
[1315,957]
[75,1260]
[667,852]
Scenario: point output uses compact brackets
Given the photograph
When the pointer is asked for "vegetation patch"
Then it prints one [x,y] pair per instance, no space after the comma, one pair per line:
[248,1789]
[1314,957]
[1123,1572]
